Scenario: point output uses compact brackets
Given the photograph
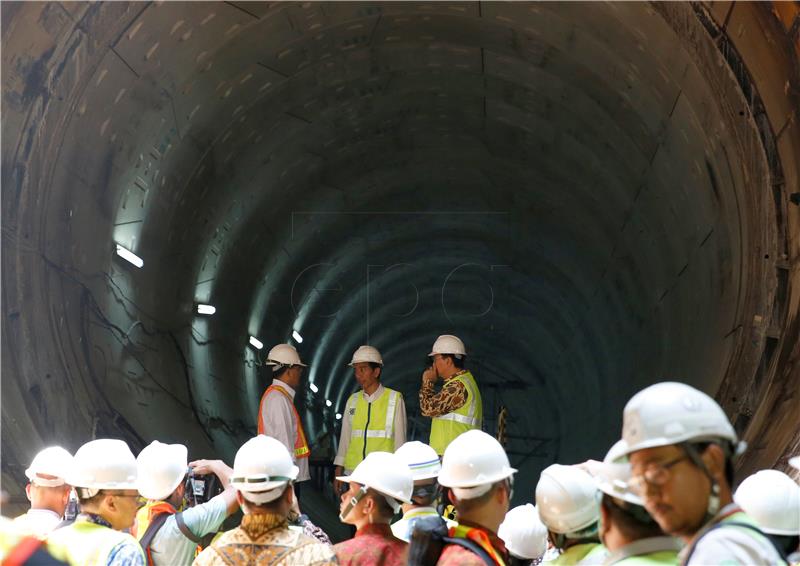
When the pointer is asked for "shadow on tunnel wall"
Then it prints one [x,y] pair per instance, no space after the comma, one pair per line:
[594,196]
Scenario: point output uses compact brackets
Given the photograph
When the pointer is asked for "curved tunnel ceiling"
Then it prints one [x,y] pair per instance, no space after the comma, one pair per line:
[584,192]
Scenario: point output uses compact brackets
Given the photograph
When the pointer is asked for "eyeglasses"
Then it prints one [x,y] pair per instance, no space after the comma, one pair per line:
[655,476]
[510,487]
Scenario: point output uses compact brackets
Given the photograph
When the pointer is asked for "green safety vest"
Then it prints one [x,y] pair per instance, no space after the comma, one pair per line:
[445,428]
[86,544]
[653,559]
[575,554]
[650,551]
[372,426]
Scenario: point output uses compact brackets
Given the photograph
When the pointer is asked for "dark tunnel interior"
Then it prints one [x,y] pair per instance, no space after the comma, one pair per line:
[593,196]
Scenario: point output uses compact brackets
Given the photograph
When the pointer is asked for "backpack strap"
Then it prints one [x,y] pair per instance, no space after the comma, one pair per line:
[721,524]
[185,530]
[472,546]
[147,538]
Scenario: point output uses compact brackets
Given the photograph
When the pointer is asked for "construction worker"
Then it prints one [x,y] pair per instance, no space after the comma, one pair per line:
[170,537]
[479,478]
[277,415]
[773,499]
[424,464]
[524,535]
[47,491]
[627,530]
[104,476]
[263,474]
[457,408]
[378,486]
[567,497]
[374,418]
[681,448]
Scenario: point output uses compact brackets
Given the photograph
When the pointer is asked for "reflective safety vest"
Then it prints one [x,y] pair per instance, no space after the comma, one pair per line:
[445,428]
[146,514]
[480,538]
[300,444]
[86,544]
[372,426]
[586,553]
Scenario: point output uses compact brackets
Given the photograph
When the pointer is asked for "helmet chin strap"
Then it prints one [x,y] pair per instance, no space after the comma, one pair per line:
[353,502]
[712,508]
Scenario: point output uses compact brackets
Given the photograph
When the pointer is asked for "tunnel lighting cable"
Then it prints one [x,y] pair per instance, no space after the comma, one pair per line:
[256,343]
[313,387]
[129,256]
[206,309]
[328,402]
[297,337]
[338,416]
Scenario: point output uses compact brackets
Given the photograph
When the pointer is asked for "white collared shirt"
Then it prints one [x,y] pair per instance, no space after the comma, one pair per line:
[278,416]
[37,522]
[399,424]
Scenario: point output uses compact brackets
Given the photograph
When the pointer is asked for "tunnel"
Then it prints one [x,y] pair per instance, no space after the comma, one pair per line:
[593,196]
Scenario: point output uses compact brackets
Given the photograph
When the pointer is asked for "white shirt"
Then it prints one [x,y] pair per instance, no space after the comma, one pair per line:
[278,416]
[37,522]
[171,548]
[398,426]
[731,545]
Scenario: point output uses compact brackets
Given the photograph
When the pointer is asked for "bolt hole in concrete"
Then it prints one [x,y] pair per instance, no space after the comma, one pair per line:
[538,179]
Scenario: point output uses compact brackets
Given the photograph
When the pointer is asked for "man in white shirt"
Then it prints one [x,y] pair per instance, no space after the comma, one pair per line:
[374,418]
[168,536]
[47,491]
[277,415]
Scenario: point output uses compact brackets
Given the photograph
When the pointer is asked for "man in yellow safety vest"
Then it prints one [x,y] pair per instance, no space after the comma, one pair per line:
[374,418]
[277,415]
[457,408]
[104,476]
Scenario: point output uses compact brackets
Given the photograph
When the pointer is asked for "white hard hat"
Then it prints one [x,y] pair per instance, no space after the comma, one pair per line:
[366,354]
[52,461]
[567,498]
[612,476]
[105,463]
[262,469]
[421,459]
[773,499]
[283,355]
[670,413]
[387,474]
[448,344]
[523,533]
[161,469]
[472,463]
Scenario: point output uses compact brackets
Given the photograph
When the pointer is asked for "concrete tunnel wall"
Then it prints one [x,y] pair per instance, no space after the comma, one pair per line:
[595,197]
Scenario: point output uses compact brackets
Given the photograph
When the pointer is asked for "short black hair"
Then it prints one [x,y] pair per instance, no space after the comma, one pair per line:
[631,520]
[727,449]
[458,361]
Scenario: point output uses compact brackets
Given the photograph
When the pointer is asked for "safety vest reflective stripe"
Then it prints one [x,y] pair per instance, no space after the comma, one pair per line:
[373,422]
[87,544]
[301,449]
[471,421]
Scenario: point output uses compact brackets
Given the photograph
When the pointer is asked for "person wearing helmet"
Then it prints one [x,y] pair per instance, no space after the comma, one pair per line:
[170,537]
[47,491]
[567,500]
[374,418]
[103,474]
[773,499]
[378,486]
[263,476]
[277,415]
[458,407]
[524,535]
[681,448]
[424,464]
[627,530]
[479,478]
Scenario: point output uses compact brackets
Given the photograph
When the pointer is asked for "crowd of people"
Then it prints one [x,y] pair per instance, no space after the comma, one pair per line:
[665,493]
